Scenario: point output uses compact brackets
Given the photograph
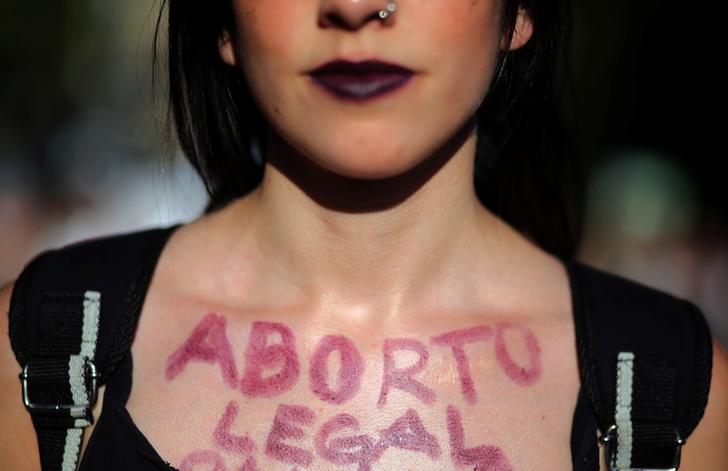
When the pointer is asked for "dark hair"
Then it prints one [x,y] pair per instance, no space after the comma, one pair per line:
[524,171]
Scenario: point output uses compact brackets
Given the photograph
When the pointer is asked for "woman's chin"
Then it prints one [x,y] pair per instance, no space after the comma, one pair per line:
[368,168]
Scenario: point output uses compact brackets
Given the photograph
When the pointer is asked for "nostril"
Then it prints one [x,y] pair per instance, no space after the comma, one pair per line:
[348,15]
[336,20]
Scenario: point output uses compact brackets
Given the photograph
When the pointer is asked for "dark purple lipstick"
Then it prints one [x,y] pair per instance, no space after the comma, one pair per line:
[360,80]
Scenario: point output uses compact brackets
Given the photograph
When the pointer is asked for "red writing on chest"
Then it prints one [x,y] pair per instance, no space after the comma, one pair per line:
[407,433]
[208,343]
[260,355]
[402,378]
[344,450]
[349,377]
[483,457]
[272,347]
[519,375]
[288,436]
[286,425]
[203,459]
[457,340]
[223,438]
[209,460]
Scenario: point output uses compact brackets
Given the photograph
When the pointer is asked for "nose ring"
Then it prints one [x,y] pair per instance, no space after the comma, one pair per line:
[388,10]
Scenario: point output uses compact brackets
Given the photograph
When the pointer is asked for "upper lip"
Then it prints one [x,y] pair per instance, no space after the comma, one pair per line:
[369,66]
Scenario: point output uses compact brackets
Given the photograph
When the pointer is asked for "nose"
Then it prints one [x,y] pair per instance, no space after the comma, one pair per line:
[350,14]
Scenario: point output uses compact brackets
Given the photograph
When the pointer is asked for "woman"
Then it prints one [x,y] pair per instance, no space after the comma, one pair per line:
[351,300]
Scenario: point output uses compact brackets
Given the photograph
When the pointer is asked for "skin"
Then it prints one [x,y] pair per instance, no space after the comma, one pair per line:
[367,226]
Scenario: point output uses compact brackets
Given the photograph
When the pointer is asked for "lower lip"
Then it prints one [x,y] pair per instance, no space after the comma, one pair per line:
[359,89]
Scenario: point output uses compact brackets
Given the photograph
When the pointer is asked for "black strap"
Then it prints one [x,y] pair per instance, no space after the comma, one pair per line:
[59,385]
[73,312]
[645,360]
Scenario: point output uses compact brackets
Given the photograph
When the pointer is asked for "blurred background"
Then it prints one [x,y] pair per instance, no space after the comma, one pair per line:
[83,151]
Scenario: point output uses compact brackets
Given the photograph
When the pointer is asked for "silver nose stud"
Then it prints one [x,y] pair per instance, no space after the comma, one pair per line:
[388,10]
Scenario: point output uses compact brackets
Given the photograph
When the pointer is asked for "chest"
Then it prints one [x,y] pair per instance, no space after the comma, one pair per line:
[265,392]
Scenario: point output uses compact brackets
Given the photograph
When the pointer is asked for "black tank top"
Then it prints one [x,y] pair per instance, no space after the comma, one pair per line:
[117,443]
[621,308]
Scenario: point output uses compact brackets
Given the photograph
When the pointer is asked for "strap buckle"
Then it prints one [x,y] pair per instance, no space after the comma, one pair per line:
[609,440]
[76,410]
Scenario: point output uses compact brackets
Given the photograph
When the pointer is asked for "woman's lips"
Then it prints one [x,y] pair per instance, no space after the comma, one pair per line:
[360,80]
[359,87]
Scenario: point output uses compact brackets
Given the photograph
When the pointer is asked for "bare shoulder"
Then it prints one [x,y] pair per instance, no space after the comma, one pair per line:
[705,449]
[18,447]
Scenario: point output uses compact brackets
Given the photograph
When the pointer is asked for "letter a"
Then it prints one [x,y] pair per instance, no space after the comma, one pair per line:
[207,343]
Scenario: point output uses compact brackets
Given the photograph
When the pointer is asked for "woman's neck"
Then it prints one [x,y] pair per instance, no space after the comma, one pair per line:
[308,238]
